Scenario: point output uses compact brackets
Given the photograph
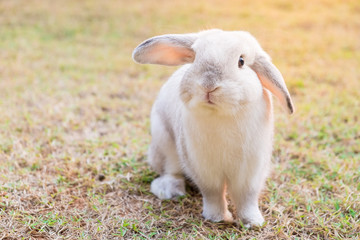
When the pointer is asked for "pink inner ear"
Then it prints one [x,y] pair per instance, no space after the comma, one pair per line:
[169,55]
[279,92]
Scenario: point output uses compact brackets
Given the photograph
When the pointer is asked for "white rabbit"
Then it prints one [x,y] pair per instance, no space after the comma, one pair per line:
[213,119]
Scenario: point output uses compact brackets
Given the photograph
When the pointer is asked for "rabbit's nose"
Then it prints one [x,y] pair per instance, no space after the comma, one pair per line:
[208,88]
[210,96]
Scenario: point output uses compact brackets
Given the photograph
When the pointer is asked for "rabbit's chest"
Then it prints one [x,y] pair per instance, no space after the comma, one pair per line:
[218,149]
[217,143]
[214,153]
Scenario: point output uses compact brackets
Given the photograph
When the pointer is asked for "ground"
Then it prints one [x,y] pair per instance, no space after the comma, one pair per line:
[74,125]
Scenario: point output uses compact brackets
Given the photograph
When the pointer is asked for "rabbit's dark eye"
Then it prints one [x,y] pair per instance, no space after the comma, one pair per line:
[241,62]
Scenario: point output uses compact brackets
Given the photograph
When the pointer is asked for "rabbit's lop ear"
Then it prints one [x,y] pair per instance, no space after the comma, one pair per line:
[171,50]
[272,80]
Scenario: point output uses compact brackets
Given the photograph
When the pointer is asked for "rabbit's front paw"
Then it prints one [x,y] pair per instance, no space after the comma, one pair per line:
[168,186]
[216,215]
[251,218]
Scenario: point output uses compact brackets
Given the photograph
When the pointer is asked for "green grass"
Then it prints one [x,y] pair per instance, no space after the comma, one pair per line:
[75,109]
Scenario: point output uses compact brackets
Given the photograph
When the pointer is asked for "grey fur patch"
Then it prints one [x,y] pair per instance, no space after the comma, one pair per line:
[212,74]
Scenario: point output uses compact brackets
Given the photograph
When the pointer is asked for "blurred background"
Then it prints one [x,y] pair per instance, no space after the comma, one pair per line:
[74,125]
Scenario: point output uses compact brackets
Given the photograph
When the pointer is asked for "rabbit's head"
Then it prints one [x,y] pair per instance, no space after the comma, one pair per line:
[225,68]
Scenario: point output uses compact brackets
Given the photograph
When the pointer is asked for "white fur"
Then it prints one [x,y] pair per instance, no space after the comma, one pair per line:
[221,146]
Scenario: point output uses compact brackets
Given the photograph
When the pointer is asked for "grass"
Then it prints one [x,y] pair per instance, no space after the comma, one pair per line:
[74,126]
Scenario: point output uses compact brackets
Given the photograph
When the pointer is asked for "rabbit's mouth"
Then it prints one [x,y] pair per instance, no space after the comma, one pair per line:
[210,102]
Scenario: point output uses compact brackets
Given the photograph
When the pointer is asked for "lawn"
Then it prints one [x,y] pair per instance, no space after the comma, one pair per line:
[74,125]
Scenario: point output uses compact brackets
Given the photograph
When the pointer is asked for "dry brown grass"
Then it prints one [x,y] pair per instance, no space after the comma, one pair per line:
[75,108]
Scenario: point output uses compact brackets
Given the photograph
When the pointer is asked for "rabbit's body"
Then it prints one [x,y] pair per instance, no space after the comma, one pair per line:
[212,120]
[209,146]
